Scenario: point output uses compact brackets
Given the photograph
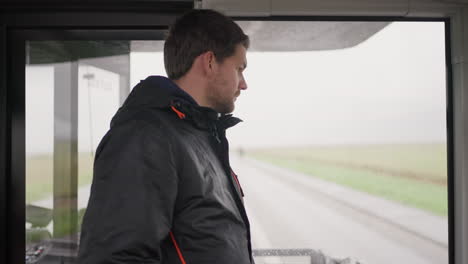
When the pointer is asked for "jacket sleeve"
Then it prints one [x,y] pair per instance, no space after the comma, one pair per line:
[133,193]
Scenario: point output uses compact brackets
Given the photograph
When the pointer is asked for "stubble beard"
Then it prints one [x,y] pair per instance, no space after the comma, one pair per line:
[221,103]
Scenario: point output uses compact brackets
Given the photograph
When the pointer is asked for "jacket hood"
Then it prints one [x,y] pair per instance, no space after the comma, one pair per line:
[161,92]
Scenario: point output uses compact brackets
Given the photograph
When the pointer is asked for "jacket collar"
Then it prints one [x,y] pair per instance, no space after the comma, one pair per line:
[161,92]
[204,117]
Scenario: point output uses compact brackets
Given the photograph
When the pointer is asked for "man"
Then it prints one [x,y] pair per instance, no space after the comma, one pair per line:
[163,190]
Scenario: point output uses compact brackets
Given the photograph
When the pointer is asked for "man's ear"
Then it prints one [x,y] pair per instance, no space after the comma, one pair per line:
[208,60]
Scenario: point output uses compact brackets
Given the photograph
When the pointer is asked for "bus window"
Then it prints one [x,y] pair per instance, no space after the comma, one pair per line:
[73,88]
[341,155]
[344,151]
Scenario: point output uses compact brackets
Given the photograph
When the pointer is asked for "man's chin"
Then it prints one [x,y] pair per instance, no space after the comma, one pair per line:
[224,108]
[227,109]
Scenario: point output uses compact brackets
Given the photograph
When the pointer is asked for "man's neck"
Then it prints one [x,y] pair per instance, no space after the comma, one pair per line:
[194,88]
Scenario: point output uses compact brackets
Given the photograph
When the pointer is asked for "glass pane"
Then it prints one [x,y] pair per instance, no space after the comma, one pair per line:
[346,154]
[73,88]
[342,152]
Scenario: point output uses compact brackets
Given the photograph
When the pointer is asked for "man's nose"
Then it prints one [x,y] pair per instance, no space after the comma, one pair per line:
[243,84]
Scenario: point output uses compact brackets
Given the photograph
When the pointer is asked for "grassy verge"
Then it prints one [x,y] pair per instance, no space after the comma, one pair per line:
[332,162]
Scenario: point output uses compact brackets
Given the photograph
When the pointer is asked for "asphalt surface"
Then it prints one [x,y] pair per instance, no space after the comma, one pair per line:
[290,210]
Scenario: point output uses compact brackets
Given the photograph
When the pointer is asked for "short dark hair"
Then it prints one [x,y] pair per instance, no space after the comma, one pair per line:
[197,32]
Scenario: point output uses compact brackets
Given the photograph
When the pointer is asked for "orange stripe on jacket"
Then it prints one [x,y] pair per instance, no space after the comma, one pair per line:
[177,248]
[179,113]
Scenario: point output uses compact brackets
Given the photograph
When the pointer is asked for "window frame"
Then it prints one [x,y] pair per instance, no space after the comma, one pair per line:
[17,28]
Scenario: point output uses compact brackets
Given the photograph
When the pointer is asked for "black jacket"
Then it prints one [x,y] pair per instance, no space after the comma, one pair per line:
[163,190]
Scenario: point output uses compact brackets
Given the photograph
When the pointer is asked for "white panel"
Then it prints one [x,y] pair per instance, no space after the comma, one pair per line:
[239,7]
[433,8]
[340,7]
[451,1]
[405,8]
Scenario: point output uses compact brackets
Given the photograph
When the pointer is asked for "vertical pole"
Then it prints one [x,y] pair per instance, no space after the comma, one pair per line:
[16,173]
[3,143]
[65,151]
[459,42]
[124,82]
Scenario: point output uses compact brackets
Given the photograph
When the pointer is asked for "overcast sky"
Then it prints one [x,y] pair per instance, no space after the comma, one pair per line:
[390,88]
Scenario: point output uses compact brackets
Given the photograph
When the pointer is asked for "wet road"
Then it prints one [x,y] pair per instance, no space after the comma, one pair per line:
[290,210]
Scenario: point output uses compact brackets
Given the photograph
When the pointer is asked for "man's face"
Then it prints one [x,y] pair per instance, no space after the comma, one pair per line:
[228,81]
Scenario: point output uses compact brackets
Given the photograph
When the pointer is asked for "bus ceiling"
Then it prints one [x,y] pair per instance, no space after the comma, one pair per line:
[276,25]
[264,35]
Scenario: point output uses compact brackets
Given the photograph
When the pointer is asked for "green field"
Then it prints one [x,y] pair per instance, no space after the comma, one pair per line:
[39,175]
[413,174]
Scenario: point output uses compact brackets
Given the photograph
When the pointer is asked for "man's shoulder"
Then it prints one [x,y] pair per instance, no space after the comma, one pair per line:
[154,116]
[143,128]
[148,118]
